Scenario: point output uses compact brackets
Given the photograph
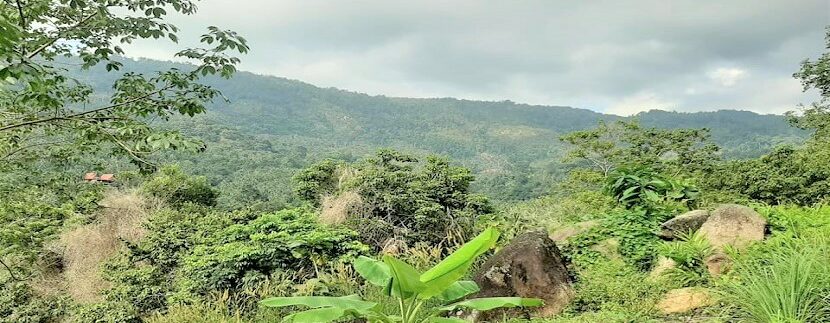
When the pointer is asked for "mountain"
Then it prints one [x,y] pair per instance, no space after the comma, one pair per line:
[274,126]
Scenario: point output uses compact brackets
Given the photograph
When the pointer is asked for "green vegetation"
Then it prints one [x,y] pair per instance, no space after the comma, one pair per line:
[298,190]
[412,289]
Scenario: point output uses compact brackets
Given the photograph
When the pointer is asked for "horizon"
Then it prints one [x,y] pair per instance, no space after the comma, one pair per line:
[685,56]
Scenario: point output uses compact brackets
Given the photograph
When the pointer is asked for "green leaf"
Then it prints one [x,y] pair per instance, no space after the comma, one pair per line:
[458,290]
[446,320]
[405,278]
[344,302]
[374,271]
[486,304]
[326,314]
[449,270]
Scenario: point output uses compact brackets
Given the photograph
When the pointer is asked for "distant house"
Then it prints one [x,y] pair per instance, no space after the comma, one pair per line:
[92,177]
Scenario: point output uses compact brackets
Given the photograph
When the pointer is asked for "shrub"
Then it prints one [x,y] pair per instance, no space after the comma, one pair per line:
[290,239]
[175,187]
[20,304]
[631,229]
[633,187]
[689,253]
[616,287]
[400,197]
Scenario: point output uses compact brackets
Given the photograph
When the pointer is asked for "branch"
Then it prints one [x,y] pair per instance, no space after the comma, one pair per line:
[22,17]
[80,114]
[32,146]
[11,272]
[59,36]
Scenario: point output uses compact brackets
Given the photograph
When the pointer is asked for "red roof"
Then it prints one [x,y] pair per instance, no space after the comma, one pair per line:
[107,178]
[90,176]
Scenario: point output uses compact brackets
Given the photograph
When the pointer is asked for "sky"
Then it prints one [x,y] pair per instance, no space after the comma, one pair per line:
[619,57]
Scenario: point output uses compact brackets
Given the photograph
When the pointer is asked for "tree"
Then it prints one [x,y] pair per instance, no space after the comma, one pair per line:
[599,146]
[815,75]
[671,151]
[45,112]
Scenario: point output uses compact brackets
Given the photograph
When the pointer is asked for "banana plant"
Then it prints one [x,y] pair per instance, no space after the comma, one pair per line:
[411,288]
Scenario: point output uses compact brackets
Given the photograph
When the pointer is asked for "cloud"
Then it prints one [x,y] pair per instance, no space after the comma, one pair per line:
[640,102]
[603,55]
[727,76]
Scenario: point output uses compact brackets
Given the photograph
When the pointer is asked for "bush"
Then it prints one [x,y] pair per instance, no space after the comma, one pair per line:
[246,253]
[616,287]
[632,230]
[20,304]
[400,197]
[176,188]
[689,253]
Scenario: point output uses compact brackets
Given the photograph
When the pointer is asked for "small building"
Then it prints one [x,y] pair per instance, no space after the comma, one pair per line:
[92,177]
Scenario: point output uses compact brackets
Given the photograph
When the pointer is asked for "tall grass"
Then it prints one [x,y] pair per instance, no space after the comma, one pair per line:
[790,283]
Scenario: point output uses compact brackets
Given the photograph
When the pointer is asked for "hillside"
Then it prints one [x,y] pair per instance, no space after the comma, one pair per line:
[271,127]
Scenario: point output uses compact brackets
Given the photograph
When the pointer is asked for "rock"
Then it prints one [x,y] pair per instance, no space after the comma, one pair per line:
[565,233]
[662,265]
[530,266]
[717,264]
[730,225]
[733,225]
[687,222]
[683,300]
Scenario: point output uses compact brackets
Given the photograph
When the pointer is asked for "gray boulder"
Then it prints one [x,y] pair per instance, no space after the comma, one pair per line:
[687,222]
[530,266]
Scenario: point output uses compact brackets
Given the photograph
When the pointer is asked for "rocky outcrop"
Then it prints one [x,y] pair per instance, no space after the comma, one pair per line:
[684,300]
[730,225]
[687,222]
[530,266]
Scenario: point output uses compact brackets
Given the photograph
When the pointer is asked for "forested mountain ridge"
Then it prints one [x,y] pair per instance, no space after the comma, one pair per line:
[281,125]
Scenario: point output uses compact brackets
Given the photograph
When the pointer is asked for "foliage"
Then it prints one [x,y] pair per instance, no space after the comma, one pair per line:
[673,151]
[616,287]
[19,303]
[411,288]
[789,285]
[175,187]
[630,232]
[32,217]
[44,108]
[400,198]
[642,187]
[249,252]
[786,175]
[689,253]
[785,278]
[316,181]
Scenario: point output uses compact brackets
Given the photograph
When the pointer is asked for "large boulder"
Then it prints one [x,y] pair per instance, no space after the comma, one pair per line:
[530,266]
[687,222]
[730,225]
[733,225]
[684,300]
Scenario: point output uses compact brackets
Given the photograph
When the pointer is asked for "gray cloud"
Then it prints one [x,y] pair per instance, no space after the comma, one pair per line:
[614,56]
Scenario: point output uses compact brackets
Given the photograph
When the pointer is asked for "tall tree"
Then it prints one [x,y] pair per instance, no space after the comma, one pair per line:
[45,112]
[815,75]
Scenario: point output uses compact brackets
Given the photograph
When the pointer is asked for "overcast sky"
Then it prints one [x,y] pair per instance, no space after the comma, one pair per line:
[618,57]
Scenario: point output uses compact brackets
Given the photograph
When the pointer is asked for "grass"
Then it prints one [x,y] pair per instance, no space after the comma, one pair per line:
[786,279]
